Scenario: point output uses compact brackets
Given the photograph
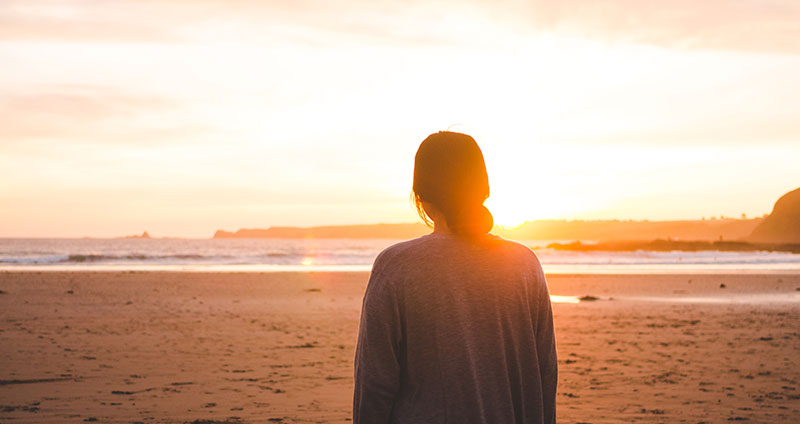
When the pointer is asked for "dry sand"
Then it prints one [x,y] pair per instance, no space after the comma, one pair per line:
[278,347]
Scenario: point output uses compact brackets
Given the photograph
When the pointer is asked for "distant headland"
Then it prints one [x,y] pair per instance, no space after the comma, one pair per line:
[709,230]
[391,231]
[780,230]
[661,245]
[783,224]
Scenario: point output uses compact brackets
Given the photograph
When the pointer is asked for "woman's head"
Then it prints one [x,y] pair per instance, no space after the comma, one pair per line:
[450,175]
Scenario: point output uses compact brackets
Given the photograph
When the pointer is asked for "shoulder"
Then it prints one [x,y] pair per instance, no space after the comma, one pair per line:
[389,266]
[516,250]
[522,258]
[399,253]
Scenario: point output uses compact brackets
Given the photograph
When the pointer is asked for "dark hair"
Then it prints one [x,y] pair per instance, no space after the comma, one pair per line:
[450,173]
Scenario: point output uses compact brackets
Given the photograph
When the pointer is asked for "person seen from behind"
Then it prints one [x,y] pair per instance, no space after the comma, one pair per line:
[456,326]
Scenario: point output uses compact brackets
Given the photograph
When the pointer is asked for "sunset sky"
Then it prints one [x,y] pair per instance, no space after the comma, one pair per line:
[183,117]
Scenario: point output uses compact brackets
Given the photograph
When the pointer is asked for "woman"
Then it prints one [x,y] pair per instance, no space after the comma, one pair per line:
[456,326]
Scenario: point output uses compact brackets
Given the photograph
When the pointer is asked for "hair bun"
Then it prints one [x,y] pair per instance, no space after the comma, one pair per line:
[484,220]
[473,221]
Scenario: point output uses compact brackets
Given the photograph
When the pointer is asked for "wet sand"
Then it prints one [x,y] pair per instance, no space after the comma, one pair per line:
[277,347]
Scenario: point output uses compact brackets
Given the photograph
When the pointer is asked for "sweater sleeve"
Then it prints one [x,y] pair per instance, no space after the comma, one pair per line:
[377,360]
[546,350]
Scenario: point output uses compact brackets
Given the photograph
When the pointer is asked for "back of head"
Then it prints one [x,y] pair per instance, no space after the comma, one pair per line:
[450,174]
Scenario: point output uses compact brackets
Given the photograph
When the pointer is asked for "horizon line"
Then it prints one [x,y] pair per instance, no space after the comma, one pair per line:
[496,226]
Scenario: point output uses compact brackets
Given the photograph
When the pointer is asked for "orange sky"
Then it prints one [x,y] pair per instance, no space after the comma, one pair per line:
[182,117]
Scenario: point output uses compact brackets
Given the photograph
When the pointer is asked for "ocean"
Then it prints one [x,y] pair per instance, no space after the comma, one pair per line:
[275,255]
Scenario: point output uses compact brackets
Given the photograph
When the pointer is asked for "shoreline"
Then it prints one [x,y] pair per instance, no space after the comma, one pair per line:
[558,269]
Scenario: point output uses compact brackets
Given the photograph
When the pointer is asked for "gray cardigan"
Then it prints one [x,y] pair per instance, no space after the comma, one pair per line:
[454,331]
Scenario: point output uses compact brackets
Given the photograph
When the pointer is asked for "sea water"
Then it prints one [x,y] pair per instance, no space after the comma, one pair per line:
[275,255]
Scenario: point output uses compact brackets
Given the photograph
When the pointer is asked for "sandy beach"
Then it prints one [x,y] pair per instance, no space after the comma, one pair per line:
[125,347]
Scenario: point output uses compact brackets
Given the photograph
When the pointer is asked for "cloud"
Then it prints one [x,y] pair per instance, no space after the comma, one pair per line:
[746,25]
[743,25]
[312,23]
[98,22]
[86,115]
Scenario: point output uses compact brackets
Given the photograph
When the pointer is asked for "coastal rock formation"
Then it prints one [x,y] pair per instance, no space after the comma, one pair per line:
[783,224]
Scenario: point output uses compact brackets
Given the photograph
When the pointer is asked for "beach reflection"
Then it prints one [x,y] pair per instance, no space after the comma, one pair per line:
[737,299]
[564,299]
[734,299]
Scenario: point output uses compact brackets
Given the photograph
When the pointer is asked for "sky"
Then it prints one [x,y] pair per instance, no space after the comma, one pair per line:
[184,117]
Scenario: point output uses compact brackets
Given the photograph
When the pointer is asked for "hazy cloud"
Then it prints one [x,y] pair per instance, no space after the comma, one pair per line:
[749,25]
[85,115]
[98,22]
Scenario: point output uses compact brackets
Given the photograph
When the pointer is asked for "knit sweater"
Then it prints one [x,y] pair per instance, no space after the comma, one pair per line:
[456,331]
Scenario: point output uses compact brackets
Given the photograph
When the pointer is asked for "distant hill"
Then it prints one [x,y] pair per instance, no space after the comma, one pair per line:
[783,224]
[708,230]
[393,231]
[660,245]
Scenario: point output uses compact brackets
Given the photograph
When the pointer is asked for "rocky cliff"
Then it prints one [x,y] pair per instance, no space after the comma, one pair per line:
[783,224]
